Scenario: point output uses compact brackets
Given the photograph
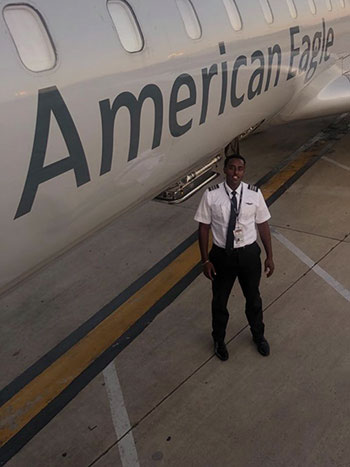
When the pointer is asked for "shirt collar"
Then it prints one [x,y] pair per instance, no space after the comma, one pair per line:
[230,191]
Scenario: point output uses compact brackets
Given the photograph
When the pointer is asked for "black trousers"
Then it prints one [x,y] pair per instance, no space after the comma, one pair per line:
[245,264]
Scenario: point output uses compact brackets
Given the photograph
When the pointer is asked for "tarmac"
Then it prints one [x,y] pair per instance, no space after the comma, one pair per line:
[165,399]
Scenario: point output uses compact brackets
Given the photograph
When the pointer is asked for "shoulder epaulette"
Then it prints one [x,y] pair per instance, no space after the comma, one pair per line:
[252,187]
[213,187]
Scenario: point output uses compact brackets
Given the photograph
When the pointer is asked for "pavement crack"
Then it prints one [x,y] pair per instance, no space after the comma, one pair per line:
[193,373]
[147,414]
[307,233]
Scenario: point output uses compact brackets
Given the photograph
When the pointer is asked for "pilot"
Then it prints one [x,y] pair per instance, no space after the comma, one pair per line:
[234,211]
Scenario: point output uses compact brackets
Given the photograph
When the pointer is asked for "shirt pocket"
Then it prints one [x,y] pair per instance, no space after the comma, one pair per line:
[218,214]
[248,211]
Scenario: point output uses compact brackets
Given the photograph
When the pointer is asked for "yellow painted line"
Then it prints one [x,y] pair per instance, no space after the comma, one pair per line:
[44,388]
[278,180]
[37,394]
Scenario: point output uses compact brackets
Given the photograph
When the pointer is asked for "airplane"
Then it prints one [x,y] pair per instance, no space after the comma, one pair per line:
[106,103]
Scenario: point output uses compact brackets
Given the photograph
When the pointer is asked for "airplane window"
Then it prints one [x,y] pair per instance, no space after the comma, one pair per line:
[329,5]
[265,6]
[126,25]
[190,19]
[312,6]
[233,14]
[30,36]
[292,8]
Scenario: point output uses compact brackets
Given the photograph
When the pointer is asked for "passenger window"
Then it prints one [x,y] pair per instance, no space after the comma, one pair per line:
[126,25]
[329,5]
[233,14]
[312,7]
[265,6]
[31,37]
[292,8]
[190,19]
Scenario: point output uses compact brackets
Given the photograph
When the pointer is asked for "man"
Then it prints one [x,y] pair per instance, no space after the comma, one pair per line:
[233,210]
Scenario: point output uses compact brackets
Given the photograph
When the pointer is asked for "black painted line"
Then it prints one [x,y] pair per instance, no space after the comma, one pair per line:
[50,357]
[267,177]
[283,188]
[21,438]
[334,131]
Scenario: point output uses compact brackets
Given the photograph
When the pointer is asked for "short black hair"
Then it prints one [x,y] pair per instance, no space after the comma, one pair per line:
[234,156]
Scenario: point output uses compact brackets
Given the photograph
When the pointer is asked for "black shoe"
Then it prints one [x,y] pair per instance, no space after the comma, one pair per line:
[221,350]
[263,347]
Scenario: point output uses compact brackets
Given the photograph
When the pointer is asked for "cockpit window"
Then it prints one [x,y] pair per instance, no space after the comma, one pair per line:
[126,25]
[31,37]
[265,6]
[190,19]
[233,14]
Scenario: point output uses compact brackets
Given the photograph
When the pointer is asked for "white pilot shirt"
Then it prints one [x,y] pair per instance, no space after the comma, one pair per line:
[215,209]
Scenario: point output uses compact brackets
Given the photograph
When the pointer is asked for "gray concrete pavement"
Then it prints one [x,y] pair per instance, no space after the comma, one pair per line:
[269,412]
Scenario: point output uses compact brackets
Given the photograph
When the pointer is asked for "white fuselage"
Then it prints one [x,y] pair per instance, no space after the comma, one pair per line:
[105,128]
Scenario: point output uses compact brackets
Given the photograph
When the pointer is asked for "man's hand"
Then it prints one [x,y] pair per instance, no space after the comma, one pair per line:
[269,267]
[265,235]
[209,270]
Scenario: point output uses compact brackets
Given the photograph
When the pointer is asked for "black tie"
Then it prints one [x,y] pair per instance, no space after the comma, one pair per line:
[232,224]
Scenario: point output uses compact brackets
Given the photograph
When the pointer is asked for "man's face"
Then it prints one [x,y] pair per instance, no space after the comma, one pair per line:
[234,172]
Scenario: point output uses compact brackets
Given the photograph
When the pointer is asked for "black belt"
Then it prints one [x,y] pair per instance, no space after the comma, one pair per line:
[245,247]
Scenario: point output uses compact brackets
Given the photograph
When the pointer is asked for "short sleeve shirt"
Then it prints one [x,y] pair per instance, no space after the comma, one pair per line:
[215,209]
